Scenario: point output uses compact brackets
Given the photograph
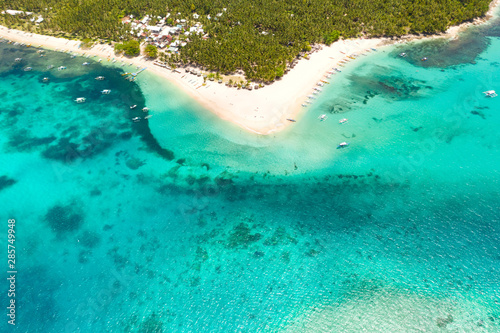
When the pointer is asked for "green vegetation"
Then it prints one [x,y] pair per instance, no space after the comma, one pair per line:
[87,43]
[151,51]
[261,37]
[331,37]
[131,48]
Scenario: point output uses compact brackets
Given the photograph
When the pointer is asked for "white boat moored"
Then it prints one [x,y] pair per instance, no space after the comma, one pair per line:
[490,93]
[80,100]
[342,145]
[106,92]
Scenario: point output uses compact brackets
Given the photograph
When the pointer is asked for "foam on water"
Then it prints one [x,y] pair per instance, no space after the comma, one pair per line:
[184,223]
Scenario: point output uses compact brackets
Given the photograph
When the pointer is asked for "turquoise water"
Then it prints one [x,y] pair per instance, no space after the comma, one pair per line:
[185,223]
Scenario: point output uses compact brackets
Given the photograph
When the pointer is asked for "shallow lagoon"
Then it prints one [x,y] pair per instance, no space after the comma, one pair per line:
[185,223]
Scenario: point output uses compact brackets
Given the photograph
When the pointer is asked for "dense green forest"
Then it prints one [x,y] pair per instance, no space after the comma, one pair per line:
[258,36]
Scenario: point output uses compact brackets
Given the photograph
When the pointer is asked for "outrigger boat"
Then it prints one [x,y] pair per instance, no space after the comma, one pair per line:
[342,145]
[490,93]
[80,100]
[323,117]
[136,119]
[60,68]
[86,63]
[343,121]
[106,92]
[18,59]
[290,119]
[27,69]
[45,79]
[145,109]
[99,78]
[133,106]
[148,116]
[402,55]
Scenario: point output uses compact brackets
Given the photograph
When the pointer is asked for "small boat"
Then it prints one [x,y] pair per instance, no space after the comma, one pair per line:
[342,145]
[106,92]
[343,121]
[45,79]
[317,89]
[311,97]
[133,106]
[86,63]
[321,84]
[323,117]
[136,119]
[304,105]
[402,55]
[99,78]
[99,60]
[80,100]
[148,116]
[145,109]
[18,59]
[490,93]
[290,119]
[27,69]
[60,68]
[424,59]
[50,66]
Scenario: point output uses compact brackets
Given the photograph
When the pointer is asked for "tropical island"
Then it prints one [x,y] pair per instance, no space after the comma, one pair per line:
[243,44]
[260,38]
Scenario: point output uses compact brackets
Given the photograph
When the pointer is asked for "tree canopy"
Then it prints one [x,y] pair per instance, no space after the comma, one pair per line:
[151,51]
[257,36]
[131,48]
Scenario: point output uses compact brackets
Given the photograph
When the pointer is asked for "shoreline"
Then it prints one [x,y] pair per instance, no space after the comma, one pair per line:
[262,111]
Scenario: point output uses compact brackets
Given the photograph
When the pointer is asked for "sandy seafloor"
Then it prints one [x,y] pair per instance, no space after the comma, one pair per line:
[186,223]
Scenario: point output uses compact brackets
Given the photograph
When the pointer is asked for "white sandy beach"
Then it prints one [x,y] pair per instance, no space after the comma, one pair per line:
[261,111]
